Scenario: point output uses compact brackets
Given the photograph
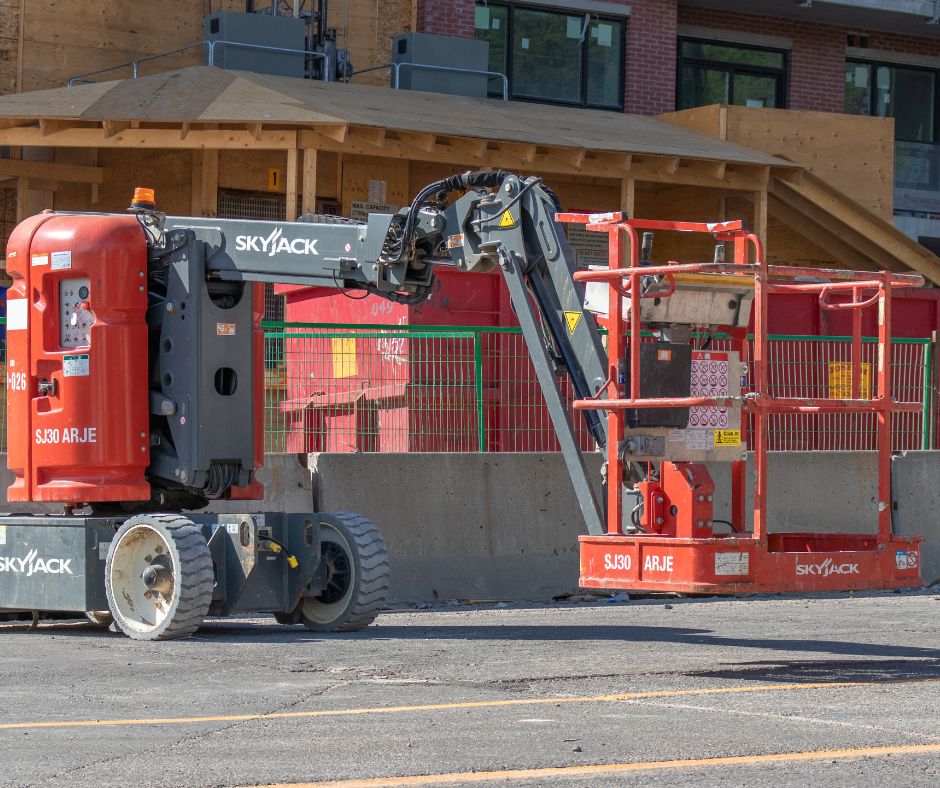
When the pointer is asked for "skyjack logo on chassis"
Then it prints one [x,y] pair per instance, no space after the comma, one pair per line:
[826,568]
[275,243]
[33,565]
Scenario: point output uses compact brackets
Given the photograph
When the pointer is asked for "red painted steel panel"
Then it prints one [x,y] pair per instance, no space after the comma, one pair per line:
[87,435]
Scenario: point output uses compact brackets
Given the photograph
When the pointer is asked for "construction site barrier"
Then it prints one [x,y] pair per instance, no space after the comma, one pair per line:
[380,388]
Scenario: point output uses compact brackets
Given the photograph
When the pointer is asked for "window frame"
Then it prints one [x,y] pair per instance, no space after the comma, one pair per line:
[595,17]
[782,74]
[875,64]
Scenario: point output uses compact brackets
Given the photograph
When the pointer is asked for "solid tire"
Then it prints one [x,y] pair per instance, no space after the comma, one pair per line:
[192,570]
[367,589]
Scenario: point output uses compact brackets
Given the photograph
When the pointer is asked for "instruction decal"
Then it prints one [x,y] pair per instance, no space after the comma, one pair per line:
[75,366]
[732,563]
[727,437]
[506,222]
[40,259]
[840,380]
[571,320]
[455,241]
[61,261]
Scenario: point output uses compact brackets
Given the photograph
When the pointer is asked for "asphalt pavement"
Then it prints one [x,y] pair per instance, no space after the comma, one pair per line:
[843,689]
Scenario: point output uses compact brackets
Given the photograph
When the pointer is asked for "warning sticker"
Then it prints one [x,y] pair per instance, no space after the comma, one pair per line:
[225,329]
[840,380]
[698,439]
[75,366]
[571,320]
[710,378]
[903,559]
[455,241]
[506,221]
[732,563]
[727,437]
[344,358]
[61,260]
[40,259]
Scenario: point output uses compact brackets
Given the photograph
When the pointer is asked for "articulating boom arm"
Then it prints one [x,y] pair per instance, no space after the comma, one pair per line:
[500,221]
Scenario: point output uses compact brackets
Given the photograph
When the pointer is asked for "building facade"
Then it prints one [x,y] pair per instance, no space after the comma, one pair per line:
[863,57]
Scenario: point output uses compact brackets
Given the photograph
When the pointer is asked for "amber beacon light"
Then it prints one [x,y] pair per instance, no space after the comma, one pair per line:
[144,200]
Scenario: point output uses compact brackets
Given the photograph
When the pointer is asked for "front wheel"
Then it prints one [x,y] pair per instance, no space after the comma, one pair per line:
[357,575]
[159,577]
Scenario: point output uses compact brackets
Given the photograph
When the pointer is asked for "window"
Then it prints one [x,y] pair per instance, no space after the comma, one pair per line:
[906,94]
[717,73]
[554,56]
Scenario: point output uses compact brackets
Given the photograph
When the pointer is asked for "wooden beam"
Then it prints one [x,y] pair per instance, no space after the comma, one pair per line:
[336,132]
[205,194]
[165,138]
[48,127]
[255,130]
[628,197]
[417,139]
[112,127]
[370,135]
[47,170]
[470,146]
[184,131]
[523,150]
[22,197]
[308,199]
[760,215]
[291,178]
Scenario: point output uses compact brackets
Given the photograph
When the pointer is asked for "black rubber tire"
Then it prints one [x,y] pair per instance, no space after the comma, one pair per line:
[367,590]
[192,568]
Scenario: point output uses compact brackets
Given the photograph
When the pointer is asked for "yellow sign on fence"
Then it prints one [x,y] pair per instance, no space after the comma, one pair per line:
[344,357]
[840,380]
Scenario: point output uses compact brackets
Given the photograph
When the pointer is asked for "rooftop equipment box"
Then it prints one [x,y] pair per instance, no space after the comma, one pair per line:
[257,30]
[414,50]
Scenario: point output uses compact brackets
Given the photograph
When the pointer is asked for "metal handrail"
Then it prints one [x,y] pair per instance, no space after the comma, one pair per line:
[135,64]
[396,68]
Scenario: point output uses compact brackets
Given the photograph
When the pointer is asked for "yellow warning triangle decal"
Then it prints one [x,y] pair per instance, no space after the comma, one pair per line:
[571,320]
[506,220]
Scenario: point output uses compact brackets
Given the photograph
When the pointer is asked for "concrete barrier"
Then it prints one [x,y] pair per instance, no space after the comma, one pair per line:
[505,526]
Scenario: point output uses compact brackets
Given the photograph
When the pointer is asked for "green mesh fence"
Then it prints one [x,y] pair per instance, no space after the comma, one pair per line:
[423,388]
[379,388]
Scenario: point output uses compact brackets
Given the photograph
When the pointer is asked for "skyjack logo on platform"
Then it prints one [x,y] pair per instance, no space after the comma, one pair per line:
[826,568]
[33,565]
[275,243]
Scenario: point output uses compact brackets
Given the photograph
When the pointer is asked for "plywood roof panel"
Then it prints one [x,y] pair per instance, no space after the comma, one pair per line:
[210,95]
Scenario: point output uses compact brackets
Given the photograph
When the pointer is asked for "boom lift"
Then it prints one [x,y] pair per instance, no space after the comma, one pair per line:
[135,393]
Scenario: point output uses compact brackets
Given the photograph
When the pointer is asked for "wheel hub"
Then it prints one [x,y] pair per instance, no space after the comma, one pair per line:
[158,577]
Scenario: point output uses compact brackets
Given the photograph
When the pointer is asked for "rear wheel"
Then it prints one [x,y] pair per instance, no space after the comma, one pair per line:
[357,575]
[159,577]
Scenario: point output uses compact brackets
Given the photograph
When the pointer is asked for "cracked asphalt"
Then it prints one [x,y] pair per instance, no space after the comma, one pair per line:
[841,689]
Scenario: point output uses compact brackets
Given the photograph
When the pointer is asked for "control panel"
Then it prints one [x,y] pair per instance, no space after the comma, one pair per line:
[75,315]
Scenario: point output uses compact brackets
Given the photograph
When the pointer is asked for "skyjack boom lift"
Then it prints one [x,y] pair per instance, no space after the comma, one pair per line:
[135,362]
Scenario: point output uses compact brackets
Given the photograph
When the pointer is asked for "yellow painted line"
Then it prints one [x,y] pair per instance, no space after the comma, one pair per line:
[480,704]
[615,768]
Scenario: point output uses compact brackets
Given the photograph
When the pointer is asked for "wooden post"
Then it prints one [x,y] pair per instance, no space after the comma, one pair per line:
[22,198]
[291,178]
[205,196]
[628,196]
[308,199]
[760,215]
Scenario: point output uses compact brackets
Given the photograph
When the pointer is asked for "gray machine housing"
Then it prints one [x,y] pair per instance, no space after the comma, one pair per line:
[258,30]
[444,52]
[58,563]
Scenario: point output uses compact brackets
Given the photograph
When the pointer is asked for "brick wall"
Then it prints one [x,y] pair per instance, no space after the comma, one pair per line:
[446,17]
[650,84]
[817,60]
